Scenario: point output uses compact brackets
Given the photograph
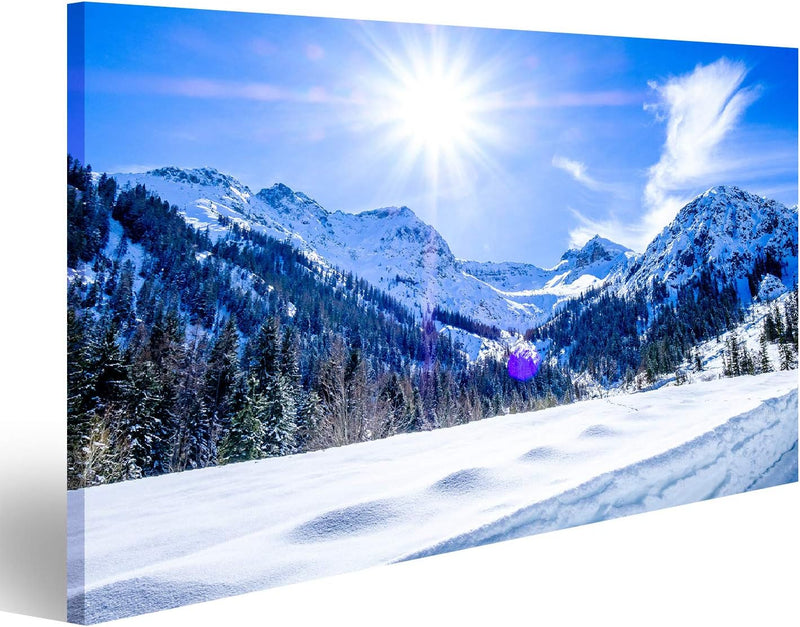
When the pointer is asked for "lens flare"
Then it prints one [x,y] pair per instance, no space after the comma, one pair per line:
[523,362]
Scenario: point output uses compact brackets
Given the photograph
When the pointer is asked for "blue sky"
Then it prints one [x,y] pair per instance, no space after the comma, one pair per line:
[514,145]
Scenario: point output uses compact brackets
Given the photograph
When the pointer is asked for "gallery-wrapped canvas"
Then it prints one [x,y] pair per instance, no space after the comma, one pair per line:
[344,293]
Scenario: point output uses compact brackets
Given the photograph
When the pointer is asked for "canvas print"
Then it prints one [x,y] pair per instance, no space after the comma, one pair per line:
[343,294]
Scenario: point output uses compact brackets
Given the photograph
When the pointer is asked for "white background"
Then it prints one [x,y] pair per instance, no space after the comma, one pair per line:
[732,561]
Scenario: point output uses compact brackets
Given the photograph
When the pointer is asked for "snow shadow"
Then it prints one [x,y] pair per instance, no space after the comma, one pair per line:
[348,521]
[462,481]
[140,595]
[541,454]
[598,431]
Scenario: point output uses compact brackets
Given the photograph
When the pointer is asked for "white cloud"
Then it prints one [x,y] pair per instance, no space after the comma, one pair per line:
[613,228]
[700,110]
[576,170]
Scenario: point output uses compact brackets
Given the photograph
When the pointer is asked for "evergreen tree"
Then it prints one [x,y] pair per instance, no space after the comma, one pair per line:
[780,329]
[787,354]
[763,356]
[193,437]
[308,419]
[264,352]
[222,380]
[698,361]
[746,363]
[140,425]
[769,327]
[279,417]
[79,396]
[243,441]
[735,357]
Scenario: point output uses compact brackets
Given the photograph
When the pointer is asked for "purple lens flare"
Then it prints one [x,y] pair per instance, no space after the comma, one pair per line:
[523,363]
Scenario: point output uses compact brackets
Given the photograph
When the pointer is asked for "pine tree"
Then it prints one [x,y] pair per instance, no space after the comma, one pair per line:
[121,302]
[769,327]
[763,356]
[735,359]
[279,417]
[787,354]
[264,351]
[308,418]
[780,329]
[222,381]
[79,395]
[790,318]
[289,365]
[698,361]
[746,362]
[109,368]
[193,439]
[727,365]
[140,425]
[244,440]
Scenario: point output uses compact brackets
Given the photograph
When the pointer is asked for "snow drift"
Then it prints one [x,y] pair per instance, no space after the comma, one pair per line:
[166,541]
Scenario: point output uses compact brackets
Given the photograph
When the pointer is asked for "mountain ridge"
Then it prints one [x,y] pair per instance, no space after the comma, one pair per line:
[392,248]
[726,227]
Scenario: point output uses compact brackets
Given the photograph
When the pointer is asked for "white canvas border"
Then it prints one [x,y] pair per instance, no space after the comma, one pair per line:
[731,561]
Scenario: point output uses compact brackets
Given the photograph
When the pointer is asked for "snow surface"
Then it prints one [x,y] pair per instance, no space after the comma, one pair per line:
[166,541]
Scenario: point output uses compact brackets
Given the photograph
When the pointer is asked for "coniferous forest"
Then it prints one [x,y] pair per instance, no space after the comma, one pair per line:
[186,351]
[206,352]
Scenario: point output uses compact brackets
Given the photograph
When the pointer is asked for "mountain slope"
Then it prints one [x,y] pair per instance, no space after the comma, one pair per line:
[727,227]
[389,247]
[394,250]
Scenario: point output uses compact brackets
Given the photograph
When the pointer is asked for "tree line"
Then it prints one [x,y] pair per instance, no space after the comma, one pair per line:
[187,351]
[641,336]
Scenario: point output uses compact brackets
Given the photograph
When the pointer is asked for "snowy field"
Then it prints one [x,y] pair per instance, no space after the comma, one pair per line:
[167,541]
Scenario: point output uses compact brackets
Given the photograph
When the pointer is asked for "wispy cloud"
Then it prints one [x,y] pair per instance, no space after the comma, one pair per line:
[700,110]
[122,83]
[576,170]
[598,98]
[612,191]
[611,227]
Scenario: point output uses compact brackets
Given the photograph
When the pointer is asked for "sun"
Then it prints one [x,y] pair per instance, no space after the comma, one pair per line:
[435,112]
[432,107]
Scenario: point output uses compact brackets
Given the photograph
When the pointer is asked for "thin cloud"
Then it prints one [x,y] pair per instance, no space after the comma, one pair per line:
[112,82]
[314,52]
[602,98]
[700,110]
[576,170]
[611,228]
[134,168]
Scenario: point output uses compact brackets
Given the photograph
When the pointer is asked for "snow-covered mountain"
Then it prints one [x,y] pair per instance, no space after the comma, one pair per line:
[585,267]
[389,247]
[724,226]
[407,258]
